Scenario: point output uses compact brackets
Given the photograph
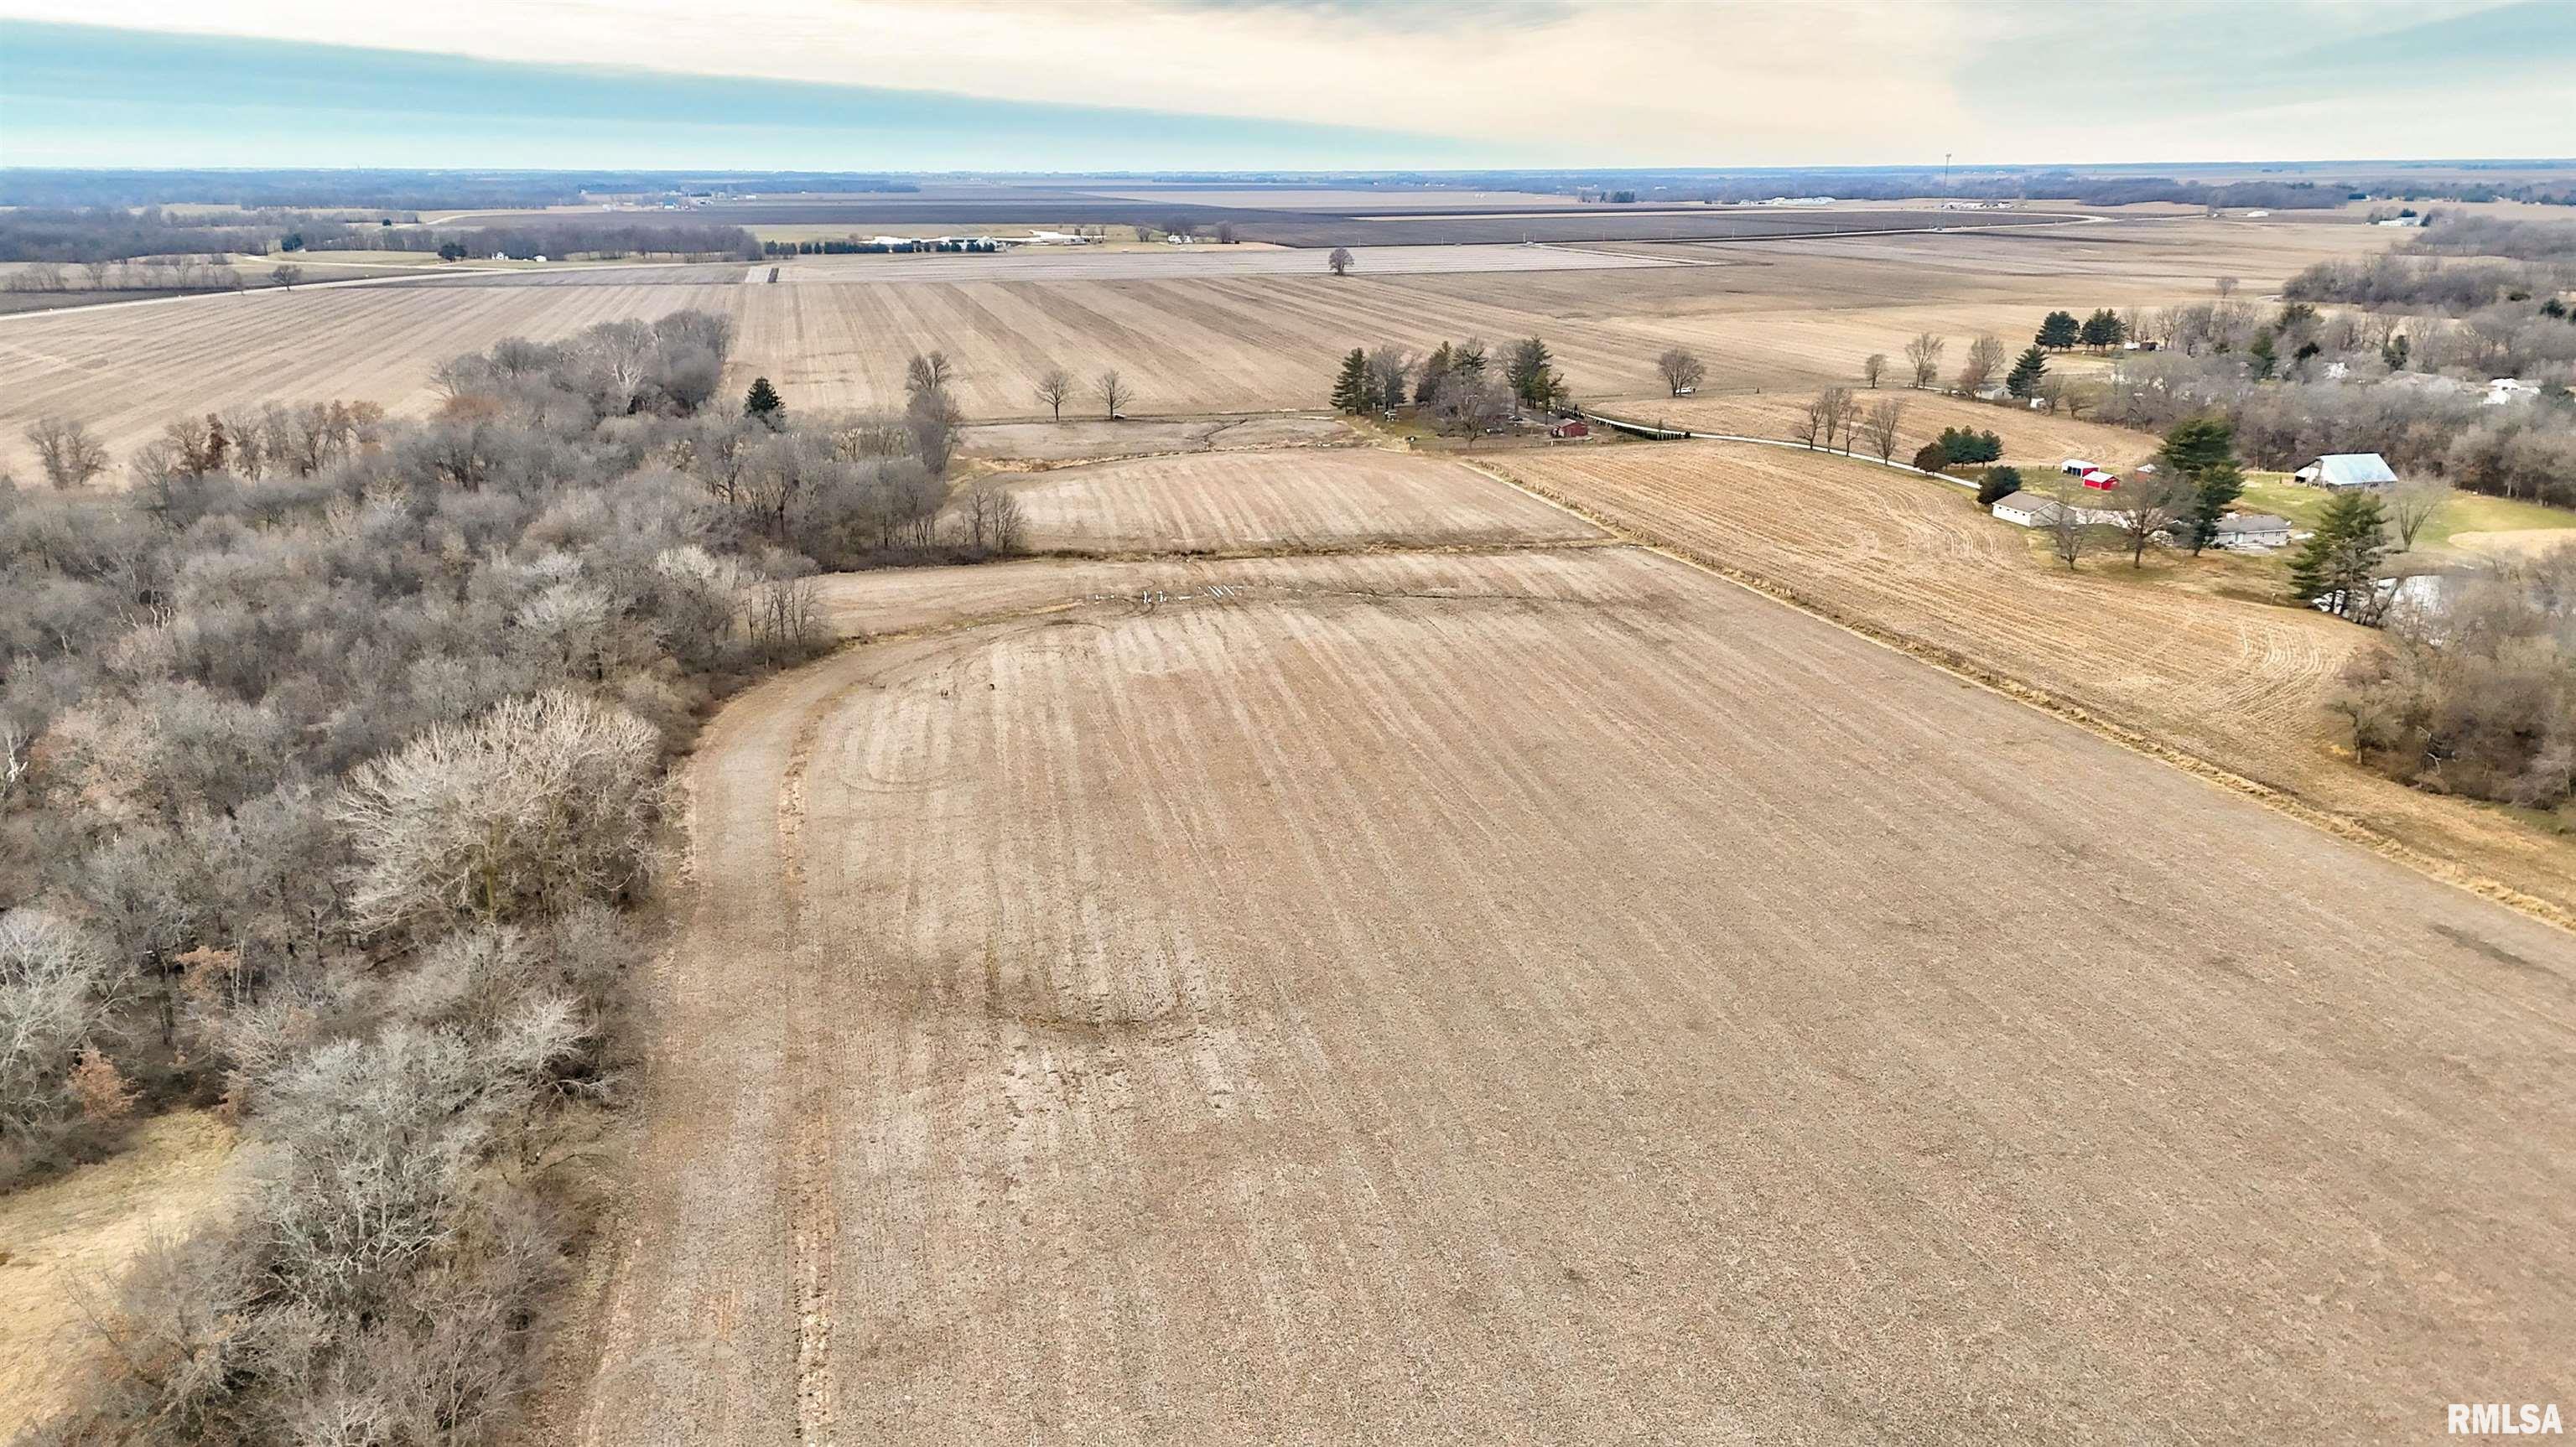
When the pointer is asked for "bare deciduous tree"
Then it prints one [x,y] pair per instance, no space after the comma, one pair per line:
[1827,416]
[1879,425]
[928,371]
[1339,261]
[543,801]
[2412,505]
[2066,529]
[1985,357]
[1470,405]
[57,990]
[1055,388]
[1113,394]
[1924,354]
[2146,505]
[66,451]
[1873,367]
[1681,369]
[1386,369]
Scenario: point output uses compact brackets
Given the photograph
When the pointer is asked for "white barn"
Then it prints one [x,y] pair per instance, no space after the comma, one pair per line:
[2343,471]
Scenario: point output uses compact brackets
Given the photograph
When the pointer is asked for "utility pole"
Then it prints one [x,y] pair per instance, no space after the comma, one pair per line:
[1945,170]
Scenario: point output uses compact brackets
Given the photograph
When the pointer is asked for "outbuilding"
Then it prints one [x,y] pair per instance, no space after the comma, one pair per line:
[2031,510]
[1572,429]
[2344,471]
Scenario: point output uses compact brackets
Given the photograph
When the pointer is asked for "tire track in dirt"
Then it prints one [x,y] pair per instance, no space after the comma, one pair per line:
[816,1092]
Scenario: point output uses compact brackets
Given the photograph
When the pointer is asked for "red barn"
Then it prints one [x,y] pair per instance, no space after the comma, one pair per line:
[1570,429]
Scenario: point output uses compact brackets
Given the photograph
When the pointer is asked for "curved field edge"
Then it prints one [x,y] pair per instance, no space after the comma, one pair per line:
[1985,674]
[981,1092]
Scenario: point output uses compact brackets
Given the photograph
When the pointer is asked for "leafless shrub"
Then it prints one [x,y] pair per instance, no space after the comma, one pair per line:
[543,802]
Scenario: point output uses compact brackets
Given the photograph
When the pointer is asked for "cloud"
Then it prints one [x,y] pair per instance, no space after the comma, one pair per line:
[1544,82]
[85,95]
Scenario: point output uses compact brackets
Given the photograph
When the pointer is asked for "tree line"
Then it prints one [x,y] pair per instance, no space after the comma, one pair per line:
[1456,386]
[330,755]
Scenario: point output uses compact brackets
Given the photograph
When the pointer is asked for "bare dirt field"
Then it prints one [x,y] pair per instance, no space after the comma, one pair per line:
[1545,996]
[78,1233]
[2237,683]
[1037,442]
[127,370]
[1320,499]
[1778,315]
[1180,262]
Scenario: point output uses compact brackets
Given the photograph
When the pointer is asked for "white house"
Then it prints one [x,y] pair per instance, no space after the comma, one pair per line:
[2511,389]
[2252,531]
[2030,510]
[2343,471]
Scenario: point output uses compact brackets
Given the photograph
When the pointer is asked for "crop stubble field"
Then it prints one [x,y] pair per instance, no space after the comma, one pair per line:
[2239,684]
[1533,995]
[1323,498]
[1188,337]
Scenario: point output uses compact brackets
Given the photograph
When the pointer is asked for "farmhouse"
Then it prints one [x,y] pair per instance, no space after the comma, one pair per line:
[2030,510]
[2343,471]
[2252,531]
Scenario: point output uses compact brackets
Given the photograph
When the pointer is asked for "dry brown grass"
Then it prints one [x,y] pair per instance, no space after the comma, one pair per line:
[2031,439]
[78,1232]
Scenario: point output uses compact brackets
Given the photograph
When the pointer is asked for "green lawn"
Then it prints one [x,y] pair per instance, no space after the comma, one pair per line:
[2466,512]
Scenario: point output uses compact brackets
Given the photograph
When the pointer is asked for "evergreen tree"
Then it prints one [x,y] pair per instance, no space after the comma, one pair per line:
[1351,387]
[1998,483]
[1435,370]
[2214,489]
[763,401]
[1468,360]
[2023,380]
[2104,329]
[2196,444]
[2339,565]
[2059,331]
[2265,356]
[2394,353]
[1532,373]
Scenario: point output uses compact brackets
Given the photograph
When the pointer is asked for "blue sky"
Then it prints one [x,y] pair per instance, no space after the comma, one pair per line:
[1249,84]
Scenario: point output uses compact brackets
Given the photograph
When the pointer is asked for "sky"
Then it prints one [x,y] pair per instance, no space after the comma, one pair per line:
[1071,85]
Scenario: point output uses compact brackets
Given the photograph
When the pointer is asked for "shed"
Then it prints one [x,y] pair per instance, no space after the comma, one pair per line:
[2343,471]
[2031,510]
[2077,467]
[1572,429]
[2100,481]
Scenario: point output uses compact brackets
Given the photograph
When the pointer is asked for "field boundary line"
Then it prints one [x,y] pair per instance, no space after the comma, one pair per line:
[1961,666]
